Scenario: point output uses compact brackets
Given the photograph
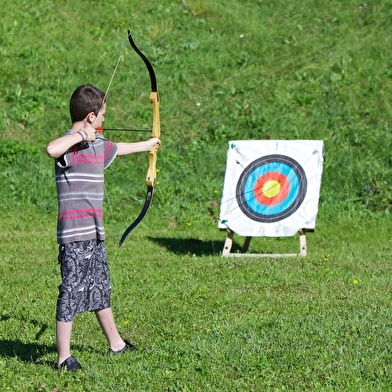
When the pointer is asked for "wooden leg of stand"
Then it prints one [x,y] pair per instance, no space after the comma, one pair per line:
[246,244]
[228,243]
[302,243]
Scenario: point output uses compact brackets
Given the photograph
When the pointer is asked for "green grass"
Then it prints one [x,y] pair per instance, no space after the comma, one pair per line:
[203,322]
[226,70]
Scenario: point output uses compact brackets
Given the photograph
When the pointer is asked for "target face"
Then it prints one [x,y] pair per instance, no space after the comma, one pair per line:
[271,187]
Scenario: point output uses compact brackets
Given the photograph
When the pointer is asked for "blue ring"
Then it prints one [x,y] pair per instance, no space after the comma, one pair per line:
[247,201]
[269,210]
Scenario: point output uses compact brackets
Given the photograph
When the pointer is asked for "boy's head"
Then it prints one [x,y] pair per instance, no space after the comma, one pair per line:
[84,100]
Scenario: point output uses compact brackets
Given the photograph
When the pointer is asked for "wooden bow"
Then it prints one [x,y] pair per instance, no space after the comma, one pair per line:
[156,132]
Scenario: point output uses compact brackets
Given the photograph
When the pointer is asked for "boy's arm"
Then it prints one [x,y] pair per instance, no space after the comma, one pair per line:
[60,146]
[130,148]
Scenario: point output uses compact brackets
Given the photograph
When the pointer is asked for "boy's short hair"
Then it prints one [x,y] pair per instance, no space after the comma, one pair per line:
[84,100]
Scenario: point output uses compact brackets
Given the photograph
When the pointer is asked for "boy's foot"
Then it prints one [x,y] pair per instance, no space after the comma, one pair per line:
[128,346]
[69,364]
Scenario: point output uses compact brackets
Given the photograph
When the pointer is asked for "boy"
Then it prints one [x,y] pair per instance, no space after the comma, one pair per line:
[81,156]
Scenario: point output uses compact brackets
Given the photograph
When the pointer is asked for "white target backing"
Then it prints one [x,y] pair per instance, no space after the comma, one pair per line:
[271,187]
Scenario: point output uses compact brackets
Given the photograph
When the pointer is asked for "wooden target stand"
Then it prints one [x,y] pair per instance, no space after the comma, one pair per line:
[303,251]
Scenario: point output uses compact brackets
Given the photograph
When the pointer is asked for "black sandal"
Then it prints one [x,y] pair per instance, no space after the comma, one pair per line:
[69,364]
[128,346]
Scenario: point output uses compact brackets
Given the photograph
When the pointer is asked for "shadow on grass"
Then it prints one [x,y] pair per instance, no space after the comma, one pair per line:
[192,246]
[26,352]
[31,352]
[189,246]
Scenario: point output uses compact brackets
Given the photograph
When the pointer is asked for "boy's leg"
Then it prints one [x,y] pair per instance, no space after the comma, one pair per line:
[63,338]
[106,320]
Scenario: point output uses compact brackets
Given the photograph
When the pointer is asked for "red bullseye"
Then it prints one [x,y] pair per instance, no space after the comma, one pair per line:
[271,188]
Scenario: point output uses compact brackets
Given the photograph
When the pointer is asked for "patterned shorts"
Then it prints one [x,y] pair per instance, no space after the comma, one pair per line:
[85,278]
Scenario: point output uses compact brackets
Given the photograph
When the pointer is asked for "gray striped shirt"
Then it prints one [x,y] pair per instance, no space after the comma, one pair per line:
[80,189]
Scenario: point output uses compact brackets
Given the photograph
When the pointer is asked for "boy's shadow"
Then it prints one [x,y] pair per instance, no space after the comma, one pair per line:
[30,352]
[25,352]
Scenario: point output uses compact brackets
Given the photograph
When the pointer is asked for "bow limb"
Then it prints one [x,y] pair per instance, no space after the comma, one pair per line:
[156,132]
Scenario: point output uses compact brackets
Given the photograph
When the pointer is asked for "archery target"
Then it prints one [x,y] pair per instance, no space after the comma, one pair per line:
[271,188]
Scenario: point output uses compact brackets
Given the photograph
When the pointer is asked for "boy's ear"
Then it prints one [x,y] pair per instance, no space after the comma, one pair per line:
[91,117]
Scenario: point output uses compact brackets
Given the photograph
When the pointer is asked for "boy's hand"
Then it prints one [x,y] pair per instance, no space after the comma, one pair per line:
[90,132]
[154,142]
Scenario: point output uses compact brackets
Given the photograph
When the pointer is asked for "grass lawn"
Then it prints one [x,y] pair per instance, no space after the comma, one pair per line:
[226,70]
